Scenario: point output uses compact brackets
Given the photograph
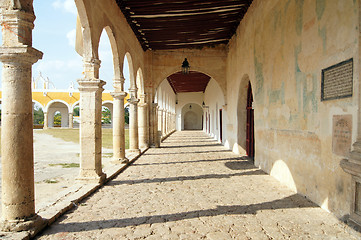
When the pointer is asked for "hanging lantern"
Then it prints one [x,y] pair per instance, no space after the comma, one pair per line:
[185,66]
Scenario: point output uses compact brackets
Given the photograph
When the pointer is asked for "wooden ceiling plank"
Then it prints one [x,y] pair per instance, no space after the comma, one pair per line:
[216,21]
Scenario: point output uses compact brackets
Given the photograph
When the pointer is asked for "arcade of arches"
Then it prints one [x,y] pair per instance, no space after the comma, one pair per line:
[267,91]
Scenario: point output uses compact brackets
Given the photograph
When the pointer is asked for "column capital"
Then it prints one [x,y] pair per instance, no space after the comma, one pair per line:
[119,95]
[154,105]
[87,85]
[20,54]
[133,100]
[142,104]
[91,61]
[133,91]
[91,68]
[118,80]
[118,84]
[17,27]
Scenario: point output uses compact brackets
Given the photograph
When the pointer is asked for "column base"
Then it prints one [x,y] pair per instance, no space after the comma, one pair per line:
[34,224]
[120,161]
[132,151]
[142,146]
[352,166]
[91,178]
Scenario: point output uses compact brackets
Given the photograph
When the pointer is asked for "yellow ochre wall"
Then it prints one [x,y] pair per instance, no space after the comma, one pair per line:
[64,96]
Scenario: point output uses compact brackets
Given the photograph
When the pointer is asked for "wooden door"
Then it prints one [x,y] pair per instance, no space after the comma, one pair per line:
[250,124]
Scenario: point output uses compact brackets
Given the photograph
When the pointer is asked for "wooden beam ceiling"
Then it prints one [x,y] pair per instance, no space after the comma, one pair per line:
[165,24]
[192,82]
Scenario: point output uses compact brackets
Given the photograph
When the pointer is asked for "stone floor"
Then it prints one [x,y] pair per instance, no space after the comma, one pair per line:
[193,188]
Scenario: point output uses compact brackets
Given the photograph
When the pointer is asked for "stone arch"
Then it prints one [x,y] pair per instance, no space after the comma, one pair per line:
[242,114]
[131,70]
[57,101]
[35,102]
[58,106]
[191,116]
[117,68]
[176,69]
[76,104]
[109,105]
[140,82]
[87,50]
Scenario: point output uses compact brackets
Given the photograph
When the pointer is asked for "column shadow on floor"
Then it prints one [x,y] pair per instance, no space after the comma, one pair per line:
[193,152]
[200,145]
[233,163]
[186,178]
[292,201]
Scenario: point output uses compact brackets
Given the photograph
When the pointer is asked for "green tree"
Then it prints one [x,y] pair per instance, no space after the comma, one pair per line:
[126,114]
[57,119]
[76,112]
[38,115]
[106,116]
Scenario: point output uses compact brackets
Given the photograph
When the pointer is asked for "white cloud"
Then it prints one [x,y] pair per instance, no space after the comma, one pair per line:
[66,5]
[71,37]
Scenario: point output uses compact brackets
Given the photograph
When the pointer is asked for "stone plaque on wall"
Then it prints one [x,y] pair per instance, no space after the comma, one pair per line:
[342,134]
[337,81]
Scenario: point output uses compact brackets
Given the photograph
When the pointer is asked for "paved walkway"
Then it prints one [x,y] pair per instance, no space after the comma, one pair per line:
[193,188]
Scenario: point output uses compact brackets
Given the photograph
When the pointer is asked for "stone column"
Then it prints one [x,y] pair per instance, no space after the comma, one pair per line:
[133,125]
[156,140]
[164,130]
[17,56]
[71,120]
[91,130]
[45,120]
[170,122]
[118,128]
[160,121]
[143,129]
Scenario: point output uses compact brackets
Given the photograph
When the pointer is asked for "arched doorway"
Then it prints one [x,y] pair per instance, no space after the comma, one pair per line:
[250,123]
[58,114]
[192,117]
[107,114]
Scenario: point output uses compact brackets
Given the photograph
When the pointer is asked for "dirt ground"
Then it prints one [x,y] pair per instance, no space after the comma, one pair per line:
[56,165]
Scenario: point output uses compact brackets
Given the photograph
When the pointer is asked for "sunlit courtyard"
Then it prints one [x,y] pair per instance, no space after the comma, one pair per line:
[56,161]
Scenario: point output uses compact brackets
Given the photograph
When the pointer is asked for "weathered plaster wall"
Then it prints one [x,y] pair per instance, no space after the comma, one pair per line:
[210,61]
[184,99]
[281,47]
[214,100]
[191,117]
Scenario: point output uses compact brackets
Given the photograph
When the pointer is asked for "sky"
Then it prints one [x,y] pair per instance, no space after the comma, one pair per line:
[54,35]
